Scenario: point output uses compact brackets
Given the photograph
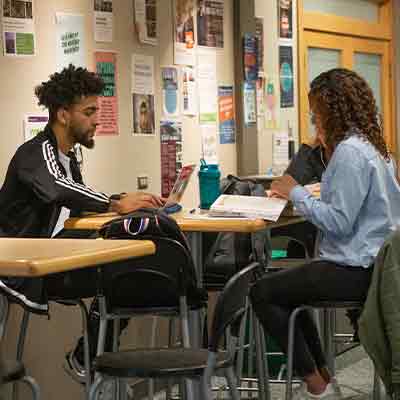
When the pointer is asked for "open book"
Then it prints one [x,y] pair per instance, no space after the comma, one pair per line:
[230,205]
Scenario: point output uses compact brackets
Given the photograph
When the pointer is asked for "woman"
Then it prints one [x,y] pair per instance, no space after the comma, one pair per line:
[359,207]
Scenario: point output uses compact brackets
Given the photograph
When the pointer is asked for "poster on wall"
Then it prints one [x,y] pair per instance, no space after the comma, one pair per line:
[260,45]
[170,97]
[146,21]
[210,23]
[226,114]
[106,68]
[285,19]
[209,143]
[171,153]
[249,103]
[103,20]
[207,86]
[260,101]
[189,91]
[250,57]
[143,94]
[184,38]
[271,103]
[33,124]
[286,76]
[70,40]
[18,28]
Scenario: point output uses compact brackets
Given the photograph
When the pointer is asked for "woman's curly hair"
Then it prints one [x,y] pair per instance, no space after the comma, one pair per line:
[346,105]
[67,87]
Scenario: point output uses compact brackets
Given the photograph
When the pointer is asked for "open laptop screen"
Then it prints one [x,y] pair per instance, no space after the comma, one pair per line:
[180,185]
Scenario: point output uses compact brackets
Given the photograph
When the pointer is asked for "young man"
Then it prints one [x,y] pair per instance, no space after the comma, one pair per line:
[44,186]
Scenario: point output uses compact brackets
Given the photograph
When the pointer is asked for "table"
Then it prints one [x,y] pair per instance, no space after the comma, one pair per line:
[40,257]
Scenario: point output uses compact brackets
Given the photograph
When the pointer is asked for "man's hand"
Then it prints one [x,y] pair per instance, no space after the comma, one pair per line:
[133,201]
[282,186]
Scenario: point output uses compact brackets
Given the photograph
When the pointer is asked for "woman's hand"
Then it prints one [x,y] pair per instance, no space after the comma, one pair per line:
[133,201]
[282,186]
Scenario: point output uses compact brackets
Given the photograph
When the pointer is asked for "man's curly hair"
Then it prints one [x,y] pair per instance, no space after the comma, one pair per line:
[67,87]
[346,105]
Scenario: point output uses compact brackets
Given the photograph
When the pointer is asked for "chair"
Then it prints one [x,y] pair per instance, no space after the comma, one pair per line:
[328,308]
[187,362]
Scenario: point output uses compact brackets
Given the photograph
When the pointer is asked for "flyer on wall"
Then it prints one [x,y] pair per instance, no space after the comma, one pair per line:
[170,98]
[249,103]
[271,103]
[207,86]
[70,40]
[33,124]
[210,23]
[260,45]
[226,114]
[285,19]
[184,38]
[146,21]
[209,143]
[171,153]
[18,28]
[103,20]
[250,57]
[189,91]
[286,76]
[106,68]
[143,94]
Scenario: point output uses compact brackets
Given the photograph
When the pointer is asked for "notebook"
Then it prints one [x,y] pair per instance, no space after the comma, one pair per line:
[177,191]
[268,208]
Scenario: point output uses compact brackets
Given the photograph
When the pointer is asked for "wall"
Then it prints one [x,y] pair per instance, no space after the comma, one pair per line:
[396,67]
[269,10]
[112,166]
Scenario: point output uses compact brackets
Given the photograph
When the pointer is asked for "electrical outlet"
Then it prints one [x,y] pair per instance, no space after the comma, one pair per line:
[142,182]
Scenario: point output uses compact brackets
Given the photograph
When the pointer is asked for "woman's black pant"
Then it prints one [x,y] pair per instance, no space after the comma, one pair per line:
[277,294]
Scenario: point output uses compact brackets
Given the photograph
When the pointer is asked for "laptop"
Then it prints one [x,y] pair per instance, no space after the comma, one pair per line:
[172,204]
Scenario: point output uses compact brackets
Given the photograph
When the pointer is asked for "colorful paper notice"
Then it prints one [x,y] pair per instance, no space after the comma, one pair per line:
[210,23]
[103,20]
[146,21]
[169,77]
[271,104]
[189,91]
[171,153]
[184,39]
[250,57]
[207,85]
[249,103]
[286,76]
[285,19]
[18,28]
[106,68]
[260,45]
[70,40]
[33,124]
[209,143]
[226,115]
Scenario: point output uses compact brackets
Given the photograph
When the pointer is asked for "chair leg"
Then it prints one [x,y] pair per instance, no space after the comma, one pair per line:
[261,374]
[4,307]
[150,394]
[20,347]
[376,390]
[232,382]
[33,386]
[86,347]
[240,356]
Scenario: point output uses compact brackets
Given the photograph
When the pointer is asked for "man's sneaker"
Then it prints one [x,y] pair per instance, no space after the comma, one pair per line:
[74,368]
[328,394]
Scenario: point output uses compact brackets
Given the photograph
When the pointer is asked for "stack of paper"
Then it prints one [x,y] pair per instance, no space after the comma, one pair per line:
[248,206]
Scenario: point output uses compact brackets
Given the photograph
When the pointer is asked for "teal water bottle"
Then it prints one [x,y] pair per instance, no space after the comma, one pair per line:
[209,177]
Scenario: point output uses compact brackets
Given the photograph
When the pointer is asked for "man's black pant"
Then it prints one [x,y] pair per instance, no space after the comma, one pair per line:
[277,294]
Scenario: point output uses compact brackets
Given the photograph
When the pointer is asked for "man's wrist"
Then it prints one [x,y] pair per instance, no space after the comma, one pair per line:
[115,206]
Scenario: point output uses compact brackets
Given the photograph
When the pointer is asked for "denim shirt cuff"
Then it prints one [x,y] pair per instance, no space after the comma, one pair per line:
[298,193]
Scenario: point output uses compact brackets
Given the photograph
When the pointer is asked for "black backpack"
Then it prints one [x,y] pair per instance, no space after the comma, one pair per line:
[172,252]
[226,253]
